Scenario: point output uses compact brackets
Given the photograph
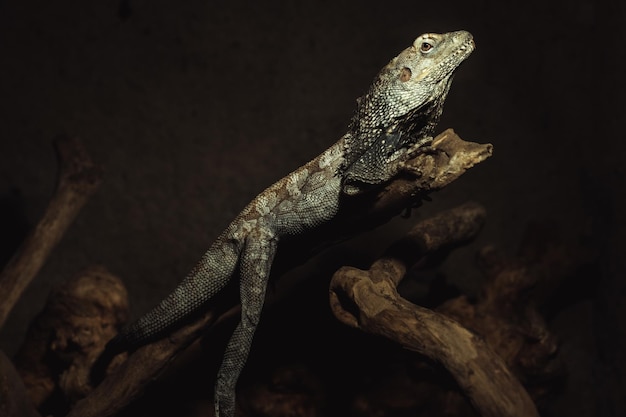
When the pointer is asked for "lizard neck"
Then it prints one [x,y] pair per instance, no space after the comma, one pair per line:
[387,136]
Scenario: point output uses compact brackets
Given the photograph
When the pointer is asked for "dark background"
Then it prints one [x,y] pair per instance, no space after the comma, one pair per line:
[193,107]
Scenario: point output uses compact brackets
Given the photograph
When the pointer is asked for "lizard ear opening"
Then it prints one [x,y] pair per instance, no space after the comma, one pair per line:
[405,74]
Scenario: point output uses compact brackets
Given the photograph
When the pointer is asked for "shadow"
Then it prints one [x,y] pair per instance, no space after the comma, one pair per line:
[14,225]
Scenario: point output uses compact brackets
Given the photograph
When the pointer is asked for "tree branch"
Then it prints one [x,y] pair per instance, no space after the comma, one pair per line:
[368,300]
[77,180]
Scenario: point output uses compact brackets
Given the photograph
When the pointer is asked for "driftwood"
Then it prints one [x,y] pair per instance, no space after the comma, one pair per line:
[450,158]
[368,300]
[77,180]
[61,344]
[517,294]
[14,399]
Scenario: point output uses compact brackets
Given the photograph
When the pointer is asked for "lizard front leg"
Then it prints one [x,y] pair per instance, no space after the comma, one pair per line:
[255,264]
[423,146]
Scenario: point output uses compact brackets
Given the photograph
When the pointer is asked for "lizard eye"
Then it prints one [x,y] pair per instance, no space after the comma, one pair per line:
[405,74]
[426,47]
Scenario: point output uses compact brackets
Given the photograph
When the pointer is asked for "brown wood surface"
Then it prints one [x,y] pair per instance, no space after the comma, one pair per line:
[77,180]
[368,300]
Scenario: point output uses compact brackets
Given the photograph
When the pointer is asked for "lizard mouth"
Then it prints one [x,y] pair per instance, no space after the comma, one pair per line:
[466,48]
[460,54]
[448,66]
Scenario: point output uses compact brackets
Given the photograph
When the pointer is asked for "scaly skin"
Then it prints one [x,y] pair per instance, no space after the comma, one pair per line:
[393,120]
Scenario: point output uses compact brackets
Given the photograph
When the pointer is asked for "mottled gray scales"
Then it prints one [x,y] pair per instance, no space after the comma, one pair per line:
[401,108]
[395,117]
[256,262]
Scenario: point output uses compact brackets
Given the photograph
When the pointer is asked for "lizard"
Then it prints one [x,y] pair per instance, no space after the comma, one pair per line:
[393,122]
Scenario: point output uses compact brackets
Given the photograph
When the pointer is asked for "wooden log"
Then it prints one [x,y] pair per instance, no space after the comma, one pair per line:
[77,180]
[80,316]
[14,399]
[368,300]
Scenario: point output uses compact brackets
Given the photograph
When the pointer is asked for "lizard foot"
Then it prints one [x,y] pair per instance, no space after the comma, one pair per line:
[423,147]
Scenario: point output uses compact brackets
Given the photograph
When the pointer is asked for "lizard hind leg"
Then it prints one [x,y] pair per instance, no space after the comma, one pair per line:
[256,262]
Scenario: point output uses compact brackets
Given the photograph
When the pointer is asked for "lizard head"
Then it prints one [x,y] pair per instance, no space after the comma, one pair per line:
[403,105]
[418,73]
[418,76]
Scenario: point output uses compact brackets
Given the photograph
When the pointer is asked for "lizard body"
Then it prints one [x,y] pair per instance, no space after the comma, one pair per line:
[393,120]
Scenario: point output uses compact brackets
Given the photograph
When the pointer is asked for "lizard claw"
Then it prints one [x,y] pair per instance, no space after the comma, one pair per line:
[410,169]
[423,150]
[423,147]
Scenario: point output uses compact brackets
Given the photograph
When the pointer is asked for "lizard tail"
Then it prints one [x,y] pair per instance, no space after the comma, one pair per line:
[210,275]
